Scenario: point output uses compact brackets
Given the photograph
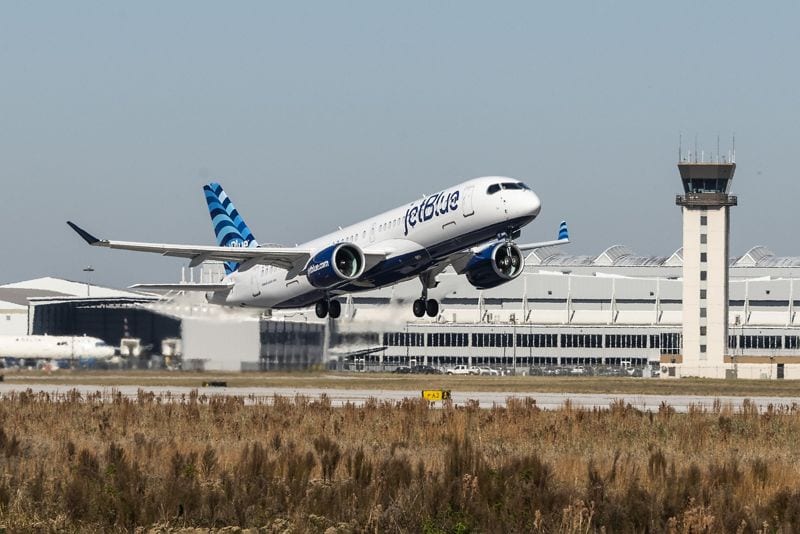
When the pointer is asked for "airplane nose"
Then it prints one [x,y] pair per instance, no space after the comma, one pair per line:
[534,204]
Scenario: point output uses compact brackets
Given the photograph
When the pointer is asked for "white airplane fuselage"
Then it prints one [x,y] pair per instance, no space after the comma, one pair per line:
[414,237]
[48,347]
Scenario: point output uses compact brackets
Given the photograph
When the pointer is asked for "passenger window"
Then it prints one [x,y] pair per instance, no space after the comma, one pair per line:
[494,188]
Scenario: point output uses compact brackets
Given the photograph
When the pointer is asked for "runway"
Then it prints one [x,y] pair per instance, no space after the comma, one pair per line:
[340,397]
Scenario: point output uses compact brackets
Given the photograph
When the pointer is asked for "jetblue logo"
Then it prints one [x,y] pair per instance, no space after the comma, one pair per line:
[430,207]
[238,243]
[317,266]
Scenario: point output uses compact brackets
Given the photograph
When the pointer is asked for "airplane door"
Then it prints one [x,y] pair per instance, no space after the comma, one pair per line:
[467,208]
[372,233]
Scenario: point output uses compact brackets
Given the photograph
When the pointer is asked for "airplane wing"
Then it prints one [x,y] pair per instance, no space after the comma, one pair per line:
[293,259]
[460,259]
[357,352]
[183,287]
[283,257]
[563,239]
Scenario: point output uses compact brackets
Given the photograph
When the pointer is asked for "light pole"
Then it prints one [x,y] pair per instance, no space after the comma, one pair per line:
[88,270]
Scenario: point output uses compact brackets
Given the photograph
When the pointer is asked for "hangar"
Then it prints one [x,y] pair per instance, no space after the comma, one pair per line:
[204,336]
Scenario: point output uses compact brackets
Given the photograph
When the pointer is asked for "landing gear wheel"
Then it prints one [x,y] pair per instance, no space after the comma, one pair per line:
[419,308]
[334,309]
[321,308]
[432,307]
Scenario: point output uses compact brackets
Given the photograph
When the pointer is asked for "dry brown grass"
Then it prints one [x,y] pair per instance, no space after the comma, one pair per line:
[300,465]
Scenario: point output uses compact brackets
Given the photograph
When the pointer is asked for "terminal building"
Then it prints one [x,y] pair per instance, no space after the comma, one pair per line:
[617,308]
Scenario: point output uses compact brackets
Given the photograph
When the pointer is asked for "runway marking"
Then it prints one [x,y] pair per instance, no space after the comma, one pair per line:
[339,397]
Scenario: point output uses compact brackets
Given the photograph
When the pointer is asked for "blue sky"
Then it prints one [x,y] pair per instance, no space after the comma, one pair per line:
[313,115]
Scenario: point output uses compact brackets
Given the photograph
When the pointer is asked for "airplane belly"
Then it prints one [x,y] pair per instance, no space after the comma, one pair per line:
[271,290]
[407,259]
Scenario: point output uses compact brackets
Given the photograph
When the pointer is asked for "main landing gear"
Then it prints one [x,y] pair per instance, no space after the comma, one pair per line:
[332,308]
[424,306]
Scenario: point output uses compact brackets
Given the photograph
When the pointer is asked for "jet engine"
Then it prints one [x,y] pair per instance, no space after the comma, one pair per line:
[494,265]
[334,265]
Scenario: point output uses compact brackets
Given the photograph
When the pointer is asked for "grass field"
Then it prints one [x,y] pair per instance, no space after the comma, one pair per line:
[74,463]
[511,384]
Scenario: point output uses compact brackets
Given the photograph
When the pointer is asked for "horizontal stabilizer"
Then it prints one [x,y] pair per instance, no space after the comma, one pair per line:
[183,287]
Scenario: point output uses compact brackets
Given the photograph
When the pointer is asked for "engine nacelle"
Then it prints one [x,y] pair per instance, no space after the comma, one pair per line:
[334,265]
[495,265]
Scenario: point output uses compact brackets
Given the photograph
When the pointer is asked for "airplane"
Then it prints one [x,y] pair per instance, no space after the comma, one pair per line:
[47,347]
[470,226]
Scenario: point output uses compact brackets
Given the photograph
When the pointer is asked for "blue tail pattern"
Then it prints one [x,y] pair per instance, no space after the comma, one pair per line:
[563,233]
[229,227]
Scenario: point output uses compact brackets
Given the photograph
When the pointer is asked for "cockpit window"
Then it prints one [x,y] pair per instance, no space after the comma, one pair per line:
[512,185]
[494,188]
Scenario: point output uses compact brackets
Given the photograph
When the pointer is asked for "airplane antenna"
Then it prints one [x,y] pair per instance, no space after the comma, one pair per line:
[680,146]
[733,159]
[717,148]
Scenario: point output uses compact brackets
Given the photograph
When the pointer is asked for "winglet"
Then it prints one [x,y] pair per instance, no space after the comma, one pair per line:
[563,233]
[89,238]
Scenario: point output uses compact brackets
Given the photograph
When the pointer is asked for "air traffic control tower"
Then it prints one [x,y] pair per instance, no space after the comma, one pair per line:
[706,223]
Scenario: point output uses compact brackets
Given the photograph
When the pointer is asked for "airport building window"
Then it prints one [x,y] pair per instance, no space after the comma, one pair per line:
[703,330]
[537,340]
[703,312]
[354,338]
[791,342]
[654,341]
[702,348]
[731,342]
[448,339]
[591,341]
[703,294]
[703,275]
[703,257]
[671,343]
[760,342]
[626,341]
[492,340]
[703,239]
[403,339]
[703,220]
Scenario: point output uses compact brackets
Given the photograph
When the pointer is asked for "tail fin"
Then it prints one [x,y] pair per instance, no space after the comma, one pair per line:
[563,233]
[229,227]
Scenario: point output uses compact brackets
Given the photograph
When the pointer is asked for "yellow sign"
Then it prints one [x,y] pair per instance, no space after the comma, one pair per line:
[436,394]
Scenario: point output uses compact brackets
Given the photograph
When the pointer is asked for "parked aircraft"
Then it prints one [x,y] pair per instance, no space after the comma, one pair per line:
[470,226]
[54,347]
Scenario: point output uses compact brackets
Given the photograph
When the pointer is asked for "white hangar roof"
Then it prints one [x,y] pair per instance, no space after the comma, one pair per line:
[61,287]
